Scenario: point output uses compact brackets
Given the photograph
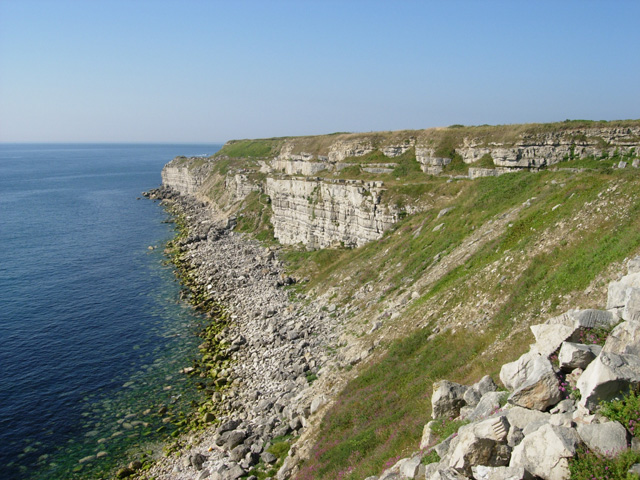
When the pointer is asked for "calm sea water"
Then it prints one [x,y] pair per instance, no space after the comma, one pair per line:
[91,333]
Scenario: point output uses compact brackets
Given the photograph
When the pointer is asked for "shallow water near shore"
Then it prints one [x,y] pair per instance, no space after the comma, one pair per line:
[92,335]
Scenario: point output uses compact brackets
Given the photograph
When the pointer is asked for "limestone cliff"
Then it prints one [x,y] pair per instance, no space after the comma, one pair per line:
[328,190]
[185,175]
[320,213]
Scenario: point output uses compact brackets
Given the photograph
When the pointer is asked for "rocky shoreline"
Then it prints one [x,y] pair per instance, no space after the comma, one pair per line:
[265,359]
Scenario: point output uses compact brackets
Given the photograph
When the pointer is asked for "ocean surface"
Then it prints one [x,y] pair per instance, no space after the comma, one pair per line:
[92,334]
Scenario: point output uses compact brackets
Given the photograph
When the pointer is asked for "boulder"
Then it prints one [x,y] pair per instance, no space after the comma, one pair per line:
[444,446]
[608,376]
[589,318]
[606,438]
[268,458]
[592,318]
[473,395]
[624,297]
[515,436]
[624,339]
[546,452]
[633,265]
[576,355]
[550,337]
[522,417]
[495,428]
[482,472]
[197,460]
[514,374]
[540,388]
[447,399]
[488,405]
[239,452]
[233,473]
[317,403]
[230,440]
[479,444]
[227,426]
[410,467]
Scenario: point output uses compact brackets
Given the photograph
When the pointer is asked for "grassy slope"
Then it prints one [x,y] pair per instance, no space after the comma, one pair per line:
[511,251]
[537,267]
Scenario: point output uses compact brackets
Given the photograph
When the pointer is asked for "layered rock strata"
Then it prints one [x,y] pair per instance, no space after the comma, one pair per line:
[319,213]
[185,175]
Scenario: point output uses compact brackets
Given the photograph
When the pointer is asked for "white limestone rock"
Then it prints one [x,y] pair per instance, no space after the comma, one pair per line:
[411,466]
[479,444]
[482,472]
[589,318]
[606,438]
[608,376]
[546,451]
[322,214]
[495,429]
[447,399]
[473,395]
[624,296]
[446,474]
[577,355]
[540,388]
[490,403]
[520,417]
[624,339]
[550,337]
[317,403]
[515,374]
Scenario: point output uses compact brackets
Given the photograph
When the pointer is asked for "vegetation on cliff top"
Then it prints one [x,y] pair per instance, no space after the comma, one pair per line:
[440,138]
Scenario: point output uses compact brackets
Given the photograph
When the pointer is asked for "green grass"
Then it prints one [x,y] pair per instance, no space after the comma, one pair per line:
[380,414]
[486,161]
[254,217]
[251,148]
[587,465]
[625,410]
[447,426]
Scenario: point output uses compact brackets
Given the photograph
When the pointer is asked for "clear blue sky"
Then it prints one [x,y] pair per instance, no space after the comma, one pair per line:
[208,71]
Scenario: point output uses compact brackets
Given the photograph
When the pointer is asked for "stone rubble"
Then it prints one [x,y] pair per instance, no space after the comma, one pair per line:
[275,345]
[542,425]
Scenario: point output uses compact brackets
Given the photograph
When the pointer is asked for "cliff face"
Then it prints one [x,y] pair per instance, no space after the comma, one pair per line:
[185,175]
[322,214]
[311,206]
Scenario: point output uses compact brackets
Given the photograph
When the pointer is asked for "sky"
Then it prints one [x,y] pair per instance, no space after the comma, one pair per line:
[211,71]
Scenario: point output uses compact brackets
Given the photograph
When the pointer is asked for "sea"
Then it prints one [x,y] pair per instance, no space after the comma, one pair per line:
[92,332]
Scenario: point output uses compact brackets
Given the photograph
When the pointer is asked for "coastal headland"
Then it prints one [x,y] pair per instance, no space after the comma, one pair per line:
[348,275]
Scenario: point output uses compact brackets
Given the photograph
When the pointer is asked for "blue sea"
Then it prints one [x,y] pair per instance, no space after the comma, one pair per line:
[92,334]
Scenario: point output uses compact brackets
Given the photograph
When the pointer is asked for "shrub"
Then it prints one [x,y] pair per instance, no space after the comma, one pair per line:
[588,465]
[626,411]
